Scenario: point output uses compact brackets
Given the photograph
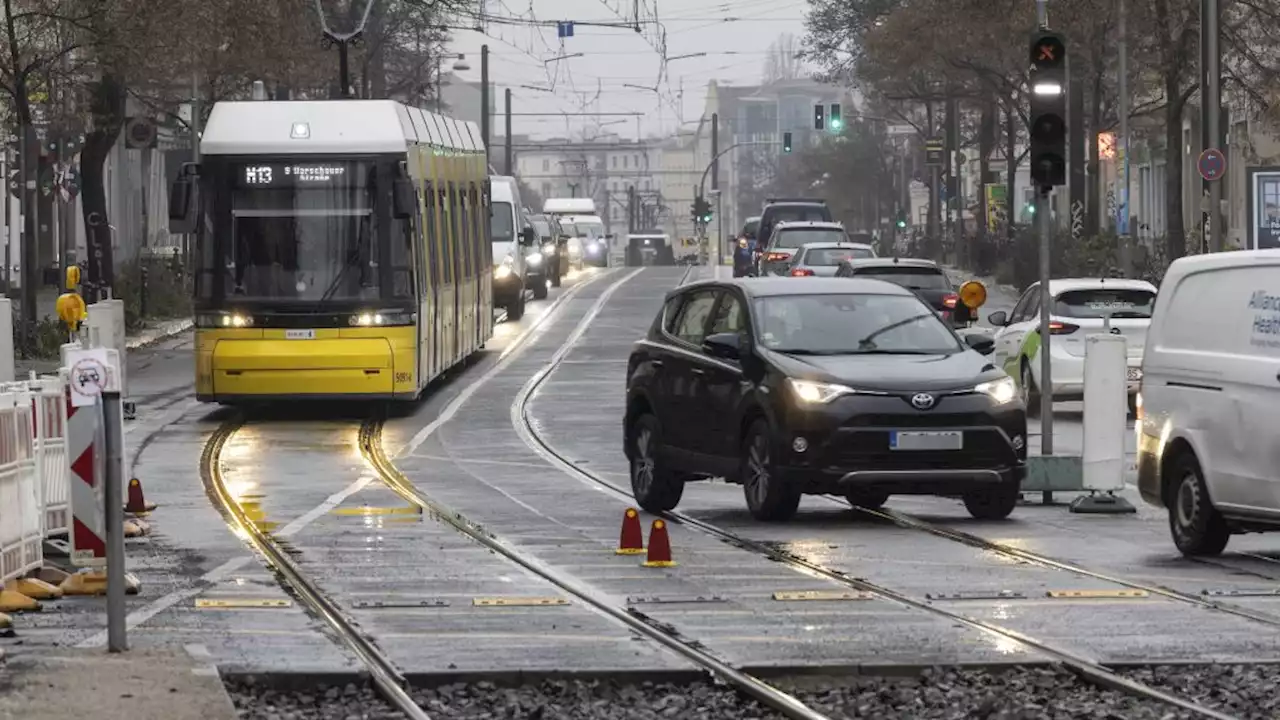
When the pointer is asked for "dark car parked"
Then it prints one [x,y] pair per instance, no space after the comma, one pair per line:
[819,386]
[923,277]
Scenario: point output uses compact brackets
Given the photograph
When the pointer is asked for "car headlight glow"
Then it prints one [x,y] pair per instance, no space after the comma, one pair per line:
[548,249]
[502,271]
[1000,391]
[809,391]
[592,247]
[534,258]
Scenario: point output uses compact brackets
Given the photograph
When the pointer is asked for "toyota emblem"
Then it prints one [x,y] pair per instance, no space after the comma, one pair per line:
[922,401]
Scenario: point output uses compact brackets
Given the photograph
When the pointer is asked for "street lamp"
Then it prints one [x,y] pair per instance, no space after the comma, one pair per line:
[460,64]
[344,41]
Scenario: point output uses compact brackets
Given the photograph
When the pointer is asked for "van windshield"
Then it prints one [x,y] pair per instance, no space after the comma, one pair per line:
[1103,302]
[502,227]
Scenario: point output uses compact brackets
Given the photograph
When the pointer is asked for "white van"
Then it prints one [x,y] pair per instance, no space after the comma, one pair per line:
[1209,403]
[513,240]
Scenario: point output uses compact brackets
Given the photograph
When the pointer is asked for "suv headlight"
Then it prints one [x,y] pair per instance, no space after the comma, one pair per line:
[817,393]
[1000,391]
[502,271]
[534,258]
[549,249]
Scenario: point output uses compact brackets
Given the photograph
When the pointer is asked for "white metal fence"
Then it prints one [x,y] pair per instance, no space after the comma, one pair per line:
[21,506]
[50,400]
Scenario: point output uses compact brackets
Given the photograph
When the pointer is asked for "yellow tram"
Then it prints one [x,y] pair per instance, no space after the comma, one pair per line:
[341,249]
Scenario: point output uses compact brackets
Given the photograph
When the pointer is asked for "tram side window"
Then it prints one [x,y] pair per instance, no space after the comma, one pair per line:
[455,241]
[464,238]
[430,222]
[402,258]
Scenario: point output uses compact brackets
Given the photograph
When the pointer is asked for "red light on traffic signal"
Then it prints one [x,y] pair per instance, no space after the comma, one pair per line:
[1047,52]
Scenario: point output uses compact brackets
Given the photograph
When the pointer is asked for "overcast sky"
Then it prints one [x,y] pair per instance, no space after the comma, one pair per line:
[734,35]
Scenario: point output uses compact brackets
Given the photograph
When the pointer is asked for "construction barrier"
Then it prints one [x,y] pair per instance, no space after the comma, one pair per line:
[49,397]
[21,510]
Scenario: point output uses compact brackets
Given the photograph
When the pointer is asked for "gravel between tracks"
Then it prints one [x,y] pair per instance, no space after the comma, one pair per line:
[1250,692]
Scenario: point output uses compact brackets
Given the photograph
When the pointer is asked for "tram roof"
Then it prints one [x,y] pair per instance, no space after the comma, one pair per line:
[262,127]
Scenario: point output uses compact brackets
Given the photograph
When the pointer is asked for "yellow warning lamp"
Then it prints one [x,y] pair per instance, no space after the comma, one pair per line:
[73,277]
[973,294]
[71,309]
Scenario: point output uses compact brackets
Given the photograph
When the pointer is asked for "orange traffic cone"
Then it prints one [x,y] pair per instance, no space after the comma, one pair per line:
[137,504]
[631,541]
[659,546]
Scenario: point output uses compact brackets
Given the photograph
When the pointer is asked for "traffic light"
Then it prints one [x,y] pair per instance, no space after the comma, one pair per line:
[833,118]
[1048,119]
[902,219]
[818,112]
[786,142]
[693,210]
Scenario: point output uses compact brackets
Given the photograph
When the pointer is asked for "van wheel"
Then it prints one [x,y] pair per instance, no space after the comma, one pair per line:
[769,497]
[515,308]
[993,504]
[867,499]
[654,486]
[1197,526]
[1027,386]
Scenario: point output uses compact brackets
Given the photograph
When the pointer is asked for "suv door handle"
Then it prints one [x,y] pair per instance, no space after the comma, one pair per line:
[656,363]
[698,371]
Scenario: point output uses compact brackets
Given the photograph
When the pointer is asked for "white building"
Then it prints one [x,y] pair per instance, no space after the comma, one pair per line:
[605,169]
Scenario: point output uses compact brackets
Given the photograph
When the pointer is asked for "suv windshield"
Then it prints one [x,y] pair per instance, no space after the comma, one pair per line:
[543,228]
[1100,302]
[912,278]
[851,324]
[803,236]
[833,256]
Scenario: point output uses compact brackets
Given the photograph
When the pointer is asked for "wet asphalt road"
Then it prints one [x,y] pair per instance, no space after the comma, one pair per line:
[438,604]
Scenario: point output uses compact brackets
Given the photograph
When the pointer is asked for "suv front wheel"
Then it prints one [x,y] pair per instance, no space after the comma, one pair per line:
[995,503]
[655,487]
[769,497]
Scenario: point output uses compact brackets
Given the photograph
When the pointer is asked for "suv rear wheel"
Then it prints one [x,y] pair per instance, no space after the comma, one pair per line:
[868,499]
[993,504]
[655,487]
[769,497]
[1197,526]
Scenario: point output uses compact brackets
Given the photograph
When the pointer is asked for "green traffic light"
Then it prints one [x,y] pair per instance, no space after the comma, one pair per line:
[835,123]
[902,223]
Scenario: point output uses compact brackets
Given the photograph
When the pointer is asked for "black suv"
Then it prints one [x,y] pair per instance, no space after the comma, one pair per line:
[819,386]
[778,210]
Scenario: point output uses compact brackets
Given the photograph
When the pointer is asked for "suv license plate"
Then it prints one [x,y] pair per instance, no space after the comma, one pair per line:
[1135,373]
[926,440]
[299,334]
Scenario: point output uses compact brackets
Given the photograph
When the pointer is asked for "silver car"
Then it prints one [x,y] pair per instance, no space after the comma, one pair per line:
[822,259]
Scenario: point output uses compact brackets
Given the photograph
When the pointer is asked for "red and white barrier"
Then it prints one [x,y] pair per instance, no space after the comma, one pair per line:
[88,525]
[21,509]
[49,397]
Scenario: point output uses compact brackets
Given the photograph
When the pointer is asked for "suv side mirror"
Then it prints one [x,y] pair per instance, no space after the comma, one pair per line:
[980,343]
[722,345]
[998,318]
[529,237]
[403,198]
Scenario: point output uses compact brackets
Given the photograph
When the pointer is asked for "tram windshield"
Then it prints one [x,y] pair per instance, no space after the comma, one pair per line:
[303,231]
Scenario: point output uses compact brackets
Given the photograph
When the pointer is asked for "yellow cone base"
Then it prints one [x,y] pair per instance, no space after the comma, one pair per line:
[148,508]
[660,563]
[629,551]
[34,588]
[6,625]
[52,575]
[12,601]
[136,528]
[94,582]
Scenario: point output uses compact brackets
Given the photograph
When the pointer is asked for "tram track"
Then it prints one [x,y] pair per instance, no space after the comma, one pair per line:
[1087,669]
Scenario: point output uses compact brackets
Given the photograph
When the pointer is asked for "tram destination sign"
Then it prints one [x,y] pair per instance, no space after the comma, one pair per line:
[298,174]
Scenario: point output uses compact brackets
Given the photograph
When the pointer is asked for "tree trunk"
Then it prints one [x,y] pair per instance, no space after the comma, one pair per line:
[1093,218]
[1175,230]
[377,63]
[107,108]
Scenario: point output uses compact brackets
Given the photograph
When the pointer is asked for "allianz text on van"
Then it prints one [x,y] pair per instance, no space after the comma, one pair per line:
[1209,403]
[513,253]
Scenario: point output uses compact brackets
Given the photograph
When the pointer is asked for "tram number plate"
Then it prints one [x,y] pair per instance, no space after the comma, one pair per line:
[299,334]
[926,440]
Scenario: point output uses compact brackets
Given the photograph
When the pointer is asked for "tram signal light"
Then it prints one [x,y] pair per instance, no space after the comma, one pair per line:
[786,143]
[818,116]
[1048,117]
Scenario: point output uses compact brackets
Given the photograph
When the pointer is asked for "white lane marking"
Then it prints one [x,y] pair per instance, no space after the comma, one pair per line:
[508,356]
[220,573]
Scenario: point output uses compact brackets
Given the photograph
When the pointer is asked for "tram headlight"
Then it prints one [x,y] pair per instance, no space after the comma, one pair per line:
[234,320]
[382,318]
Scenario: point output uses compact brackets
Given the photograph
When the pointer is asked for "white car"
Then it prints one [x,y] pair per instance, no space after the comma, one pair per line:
[1210,400]
[1080,308]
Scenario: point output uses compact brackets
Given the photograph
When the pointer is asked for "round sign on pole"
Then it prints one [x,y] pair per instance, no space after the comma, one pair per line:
[1212,164]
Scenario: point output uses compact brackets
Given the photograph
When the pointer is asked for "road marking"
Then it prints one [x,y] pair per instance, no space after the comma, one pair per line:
[508,356]
[220,573]
[822,595]
[241,603]
[518,601]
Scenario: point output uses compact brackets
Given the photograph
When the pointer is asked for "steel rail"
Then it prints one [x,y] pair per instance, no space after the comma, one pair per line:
[386,678]
[1083,667]
[788,705]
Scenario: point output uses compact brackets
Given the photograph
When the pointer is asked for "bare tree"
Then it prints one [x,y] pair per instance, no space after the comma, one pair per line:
[783,61]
